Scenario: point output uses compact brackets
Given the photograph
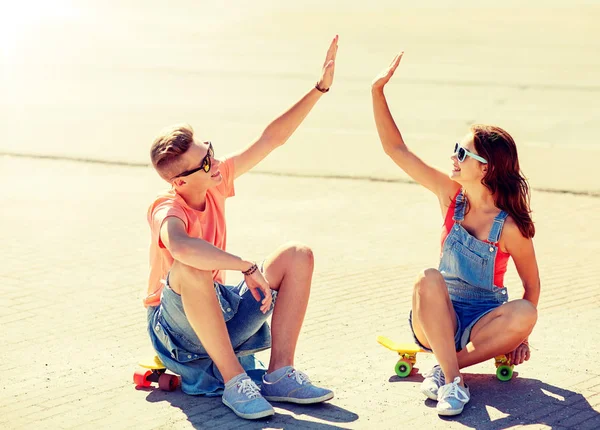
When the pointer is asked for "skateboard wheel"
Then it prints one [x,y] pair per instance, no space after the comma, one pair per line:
[140,378]
[167,382]
[403,368]
[504,372]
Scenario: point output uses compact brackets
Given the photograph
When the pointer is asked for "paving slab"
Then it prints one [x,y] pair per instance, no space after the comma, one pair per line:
[74,267]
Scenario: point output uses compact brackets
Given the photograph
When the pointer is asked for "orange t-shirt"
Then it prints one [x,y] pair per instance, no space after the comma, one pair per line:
[208,225]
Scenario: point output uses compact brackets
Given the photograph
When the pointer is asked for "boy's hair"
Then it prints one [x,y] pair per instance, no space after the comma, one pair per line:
[168,147]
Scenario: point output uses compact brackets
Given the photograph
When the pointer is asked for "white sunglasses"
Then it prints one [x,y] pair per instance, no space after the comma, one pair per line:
[461,153]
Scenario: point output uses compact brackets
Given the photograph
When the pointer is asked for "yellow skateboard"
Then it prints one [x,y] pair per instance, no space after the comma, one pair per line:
[408,357]
[155,371]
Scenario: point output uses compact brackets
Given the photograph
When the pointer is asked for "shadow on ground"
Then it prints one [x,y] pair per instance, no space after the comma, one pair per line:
[209,412]
[521,401]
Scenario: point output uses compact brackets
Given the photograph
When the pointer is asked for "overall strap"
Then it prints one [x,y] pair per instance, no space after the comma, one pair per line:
[497,227]
[459,207]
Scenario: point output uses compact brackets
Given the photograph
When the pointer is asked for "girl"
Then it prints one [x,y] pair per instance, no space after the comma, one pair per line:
[461,311]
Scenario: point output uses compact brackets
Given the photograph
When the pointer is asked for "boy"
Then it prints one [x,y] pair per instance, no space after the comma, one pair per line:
[203,330]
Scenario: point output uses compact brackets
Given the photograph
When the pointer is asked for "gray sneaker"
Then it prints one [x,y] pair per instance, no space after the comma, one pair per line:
[452,398]
[295,387]
[434,379]
[243,397]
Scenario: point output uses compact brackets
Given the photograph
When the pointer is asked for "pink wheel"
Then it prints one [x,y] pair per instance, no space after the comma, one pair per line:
[140,378]
[167,382]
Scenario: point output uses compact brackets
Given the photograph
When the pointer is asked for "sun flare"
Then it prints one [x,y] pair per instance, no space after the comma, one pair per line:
[20,20]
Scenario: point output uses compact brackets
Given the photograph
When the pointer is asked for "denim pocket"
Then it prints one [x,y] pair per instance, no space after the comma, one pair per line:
[467,265]
[228,301]
[164,335]
[470,255]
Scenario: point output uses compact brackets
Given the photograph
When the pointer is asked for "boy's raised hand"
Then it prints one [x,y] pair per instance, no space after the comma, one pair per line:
[326,79]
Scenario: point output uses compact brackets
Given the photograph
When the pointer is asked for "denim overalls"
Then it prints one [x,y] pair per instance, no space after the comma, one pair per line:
[467,264]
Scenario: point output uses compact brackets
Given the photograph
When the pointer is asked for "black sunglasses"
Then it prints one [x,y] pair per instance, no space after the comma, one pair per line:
[204,165]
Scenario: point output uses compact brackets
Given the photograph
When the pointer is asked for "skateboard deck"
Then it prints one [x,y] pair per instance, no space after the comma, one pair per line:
[155,371]
[407,353]
[153,363]
[409,348]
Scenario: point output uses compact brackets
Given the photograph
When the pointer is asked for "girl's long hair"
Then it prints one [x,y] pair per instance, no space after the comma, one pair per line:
[504,177]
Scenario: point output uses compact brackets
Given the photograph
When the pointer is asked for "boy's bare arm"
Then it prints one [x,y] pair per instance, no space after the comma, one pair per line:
[282,127]
[202,255]
[197,252]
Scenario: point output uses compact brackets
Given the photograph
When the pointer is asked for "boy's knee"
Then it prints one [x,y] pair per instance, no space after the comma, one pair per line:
[300,253]
[305,254]
[183,274]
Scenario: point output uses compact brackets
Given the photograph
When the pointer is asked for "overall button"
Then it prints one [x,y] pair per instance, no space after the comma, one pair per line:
[503,291]
[491,249]
[228,309]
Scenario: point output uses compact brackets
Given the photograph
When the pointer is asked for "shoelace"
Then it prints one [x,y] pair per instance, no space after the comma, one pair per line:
[300,376]
[249,388]
[453,390]
[437,374]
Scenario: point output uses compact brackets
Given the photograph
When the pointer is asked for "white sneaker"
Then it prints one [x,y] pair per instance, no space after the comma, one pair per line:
[452,398]
[434,379]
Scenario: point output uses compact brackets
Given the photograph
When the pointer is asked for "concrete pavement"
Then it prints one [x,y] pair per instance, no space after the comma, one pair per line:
[74,265]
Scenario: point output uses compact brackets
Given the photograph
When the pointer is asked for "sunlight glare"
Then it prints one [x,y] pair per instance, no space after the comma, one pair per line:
[20,19]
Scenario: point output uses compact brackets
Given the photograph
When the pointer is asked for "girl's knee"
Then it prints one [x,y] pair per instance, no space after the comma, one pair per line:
[524,315]
[429,282]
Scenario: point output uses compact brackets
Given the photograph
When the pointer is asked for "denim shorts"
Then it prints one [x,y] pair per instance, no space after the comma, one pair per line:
[178,346]
[467,315]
